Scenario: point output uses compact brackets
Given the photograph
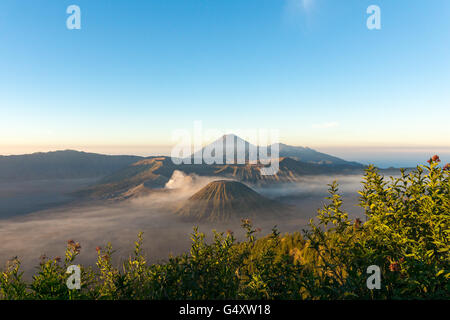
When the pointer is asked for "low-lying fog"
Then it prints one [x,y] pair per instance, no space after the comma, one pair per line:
[47,231]
[23,197]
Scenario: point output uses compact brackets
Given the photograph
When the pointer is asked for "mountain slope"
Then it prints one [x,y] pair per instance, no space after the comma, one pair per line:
[224,200]
[231,144]
[306,154]
[155,172]
[61,165]
[151,173]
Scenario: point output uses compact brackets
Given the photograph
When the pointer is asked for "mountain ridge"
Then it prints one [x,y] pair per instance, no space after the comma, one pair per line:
[68,164]
[156,172]
[61,164]
[250,152]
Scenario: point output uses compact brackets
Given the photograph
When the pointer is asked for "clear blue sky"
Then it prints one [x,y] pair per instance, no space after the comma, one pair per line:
[137,70]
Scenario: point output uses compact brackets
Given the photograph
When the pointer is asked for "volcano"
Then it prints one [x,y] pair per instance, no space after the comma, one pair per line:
[224,200]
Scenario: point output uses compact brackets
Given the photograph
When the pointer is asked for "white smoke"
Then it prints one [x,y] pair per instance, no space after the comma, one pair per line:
[190,183]
[180,180]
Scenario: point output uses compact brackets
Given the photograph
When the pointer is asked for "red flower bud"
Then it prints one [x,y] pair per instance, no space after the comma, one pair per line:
[435,158]
[394,267]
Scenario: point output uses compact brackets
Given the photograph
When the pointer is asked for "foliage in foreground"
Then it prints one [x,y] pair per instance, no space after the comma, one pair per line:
[406,234]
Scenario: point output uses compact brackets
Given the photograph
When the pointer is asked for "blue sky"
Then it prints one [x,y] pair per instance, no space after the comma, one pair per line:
[137,70]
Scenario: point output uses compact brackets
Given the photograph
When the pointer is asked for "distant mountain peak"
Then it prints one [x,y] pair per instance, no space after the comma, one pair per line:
[232,136]
[304,154]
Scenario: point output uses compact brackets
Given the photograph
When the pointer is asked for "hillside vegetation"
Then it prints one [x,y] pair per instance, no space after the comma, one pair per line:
[406,234]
